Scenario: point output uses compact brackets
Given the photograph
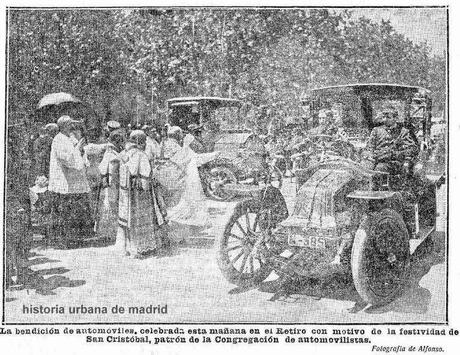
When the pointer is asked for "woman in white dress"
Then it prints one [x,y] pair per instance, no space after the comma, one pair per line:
[192,207]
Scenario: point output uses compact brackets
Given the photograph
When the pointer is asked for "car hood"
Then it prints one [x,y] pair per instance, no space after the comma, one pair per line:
[315,202]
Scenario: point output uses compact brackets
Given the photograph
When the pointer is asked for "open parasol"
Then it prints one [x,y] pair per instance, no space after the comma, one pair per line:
[56,99]
[52,106]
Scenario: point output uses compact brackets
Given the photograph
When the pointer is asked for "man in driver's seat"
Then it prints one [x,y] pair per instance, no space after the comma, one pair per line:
[391,147]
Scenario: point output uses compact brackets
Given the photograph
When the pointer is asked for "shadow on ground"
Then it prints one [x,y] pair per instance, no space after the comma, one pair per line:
[46,286]
[40,260]
[95,242]
[414,298]
[46,280]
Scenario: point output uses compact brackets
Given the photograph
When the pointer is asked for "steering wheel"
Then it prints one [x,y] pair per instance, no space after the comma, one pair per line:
[345,149]
[333,145]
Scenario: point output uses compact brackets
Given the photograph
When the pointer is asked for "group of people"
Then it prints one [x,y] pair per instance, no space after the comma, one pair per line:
[129,186]
[125,188]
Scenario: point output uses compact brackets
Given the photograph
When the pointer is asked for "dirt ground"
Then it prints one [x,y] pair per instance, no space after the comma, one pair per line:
[189,283]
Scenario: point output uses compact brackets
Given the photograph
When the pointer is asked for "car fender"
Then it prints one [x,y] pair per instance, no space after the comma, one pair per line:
[388,199]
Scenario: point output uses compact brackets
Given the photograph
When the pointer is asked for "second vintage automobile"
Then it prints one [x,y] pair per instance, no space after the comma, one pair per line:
[224,132]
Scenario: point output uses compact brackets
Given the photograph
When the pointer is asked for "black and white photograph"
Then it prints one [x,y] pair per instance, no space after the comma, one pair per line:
[226,165]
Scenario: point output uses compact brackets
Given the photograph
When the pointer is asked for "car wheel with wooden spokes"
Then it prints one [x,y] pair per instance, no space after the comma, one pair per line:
[238,256]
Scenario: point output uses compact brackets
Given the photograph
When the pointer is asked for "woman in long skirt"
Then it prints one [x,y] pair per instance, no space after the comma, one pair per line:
[109,168]
[92,156]
[140,216]
[192,206]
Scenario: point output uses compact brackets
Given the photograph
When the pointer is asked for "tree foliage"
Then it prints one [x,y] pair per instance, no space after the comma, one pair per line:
[127,62]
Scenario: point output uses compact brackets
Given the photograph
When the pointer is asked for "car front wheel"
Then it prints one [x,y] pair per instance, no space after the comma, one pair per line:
[237,256]
[380,257]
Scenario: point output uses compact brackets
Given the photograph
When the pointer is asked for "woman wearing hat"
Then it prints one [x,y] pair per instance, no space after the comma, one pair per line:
[141,214]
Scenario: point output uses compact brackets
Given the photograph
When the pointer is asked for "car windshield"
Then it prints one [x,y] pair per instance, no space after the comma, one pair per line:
[358,115]
[184,115]
[379,105]
[212,117]
[227,118]
[346,110]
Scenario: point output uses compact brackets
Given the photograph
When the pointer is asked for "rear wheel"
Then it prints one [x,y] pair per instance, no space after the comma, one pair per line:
[380,257]
[237,256]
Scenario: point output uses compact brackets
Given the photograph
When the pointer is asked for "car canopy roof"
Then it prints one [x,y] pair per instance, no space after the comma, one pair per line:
[359,100]
[370,90]
[215,102]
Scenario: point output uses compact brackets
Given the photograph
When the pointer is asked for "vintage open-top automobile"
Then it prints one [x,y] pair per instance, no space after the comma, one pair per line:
[346,217]
[223,131]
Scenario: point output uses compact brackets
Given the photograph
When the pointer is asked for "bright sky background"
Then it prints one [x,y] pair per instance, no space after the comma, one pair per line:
[418,24]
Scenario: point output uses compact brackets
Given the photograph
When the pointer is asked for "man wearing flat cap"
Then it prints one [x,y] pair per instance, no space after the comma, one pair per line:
[71,216]
[391,147]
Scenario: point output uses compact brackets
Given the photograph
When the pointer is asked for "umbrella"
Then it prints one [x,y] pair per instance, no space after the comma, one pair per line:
[56,99]
[54,105]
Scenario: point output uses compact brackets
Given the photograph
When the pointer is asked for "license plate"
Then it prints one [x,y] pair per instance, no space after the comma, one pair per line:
[306,241]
